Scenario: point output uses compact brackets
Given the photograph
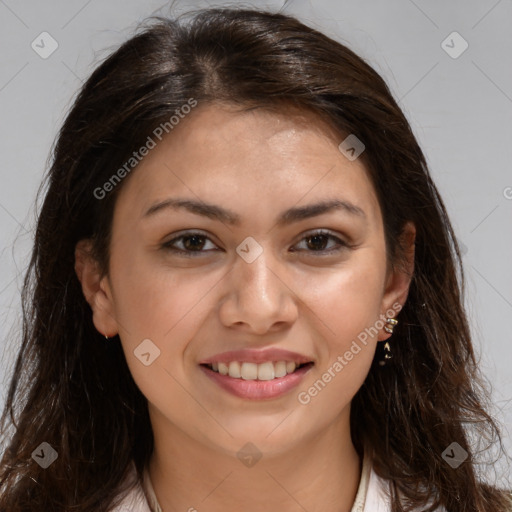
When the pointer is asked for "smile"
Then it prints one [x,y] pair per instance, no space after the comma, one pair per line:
[257,381]
[252,371]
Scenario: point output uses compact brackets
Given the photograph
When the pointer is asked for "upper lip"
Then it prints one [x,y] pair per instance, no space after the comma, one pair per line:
[257,356]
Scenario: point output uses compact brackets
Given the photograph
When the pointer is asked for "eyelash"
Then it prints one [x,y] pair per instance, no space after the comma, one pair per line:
[193,254]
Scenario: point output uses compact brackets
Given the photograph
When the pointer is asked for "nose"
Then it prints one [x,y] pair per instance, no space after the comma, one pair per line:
[259,298]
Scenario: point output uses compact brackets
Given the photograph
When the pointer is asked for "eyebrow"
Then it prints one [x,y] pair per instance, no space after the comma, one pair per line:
[289,216]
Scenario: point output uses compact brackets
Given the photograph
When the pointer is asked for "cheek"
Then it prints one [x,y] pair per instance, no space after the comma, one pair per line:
[164,306]
[349,311]
[347,302]
[150,299]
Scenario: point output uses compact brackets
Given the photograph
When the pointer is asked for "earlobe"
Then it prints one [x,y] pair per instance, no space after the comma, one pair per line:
[95,288]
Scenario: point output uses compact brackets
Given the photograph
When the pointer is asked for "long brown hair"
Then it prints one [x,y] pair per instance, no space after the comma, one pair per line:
[73,390]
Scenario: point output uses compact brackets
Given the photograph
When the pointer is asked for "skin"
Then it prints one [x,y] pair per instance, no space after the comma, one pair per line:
[256,164]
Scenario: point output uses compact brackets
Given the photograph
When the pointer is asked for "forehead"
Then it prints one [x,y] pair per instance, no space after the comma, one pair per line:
[224,155]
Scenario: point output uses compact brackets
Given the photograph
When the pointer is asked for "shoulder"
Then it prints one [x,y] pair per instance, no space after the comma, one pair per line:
[135,500]
[378,495]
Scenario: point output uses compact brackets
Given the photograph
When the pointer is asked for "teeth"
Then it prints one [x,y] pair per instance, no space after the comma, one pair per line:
[223,369]
[235,370]
[290,367]
[280,369]
[249,371]
[266,371]
[252,371]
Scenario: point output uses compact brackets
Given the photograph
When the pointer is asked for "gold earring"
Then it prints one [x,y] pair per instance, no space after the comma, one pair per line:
[390,325]
[387,354]
[386,349]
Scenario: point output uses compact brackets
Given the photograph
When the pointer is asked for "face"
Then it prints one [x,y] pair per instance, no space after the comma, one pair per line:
[250,265]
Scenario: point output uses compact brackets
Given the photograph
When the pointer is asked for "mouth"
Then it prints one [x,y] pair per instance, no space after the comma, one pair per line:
[250,381]
[270,370]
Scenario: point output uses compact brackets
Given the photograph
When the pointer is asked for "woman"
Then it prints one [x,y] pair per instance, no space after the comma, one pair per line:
[238,205]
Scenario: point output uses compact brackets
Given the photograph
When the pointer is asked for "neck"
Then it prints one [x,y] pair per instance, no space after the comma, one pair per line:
[320,473]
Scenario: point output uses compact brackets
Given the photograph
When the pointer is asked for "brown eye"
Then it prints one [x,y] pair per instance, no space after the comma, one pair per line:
[192,244]
[319,240]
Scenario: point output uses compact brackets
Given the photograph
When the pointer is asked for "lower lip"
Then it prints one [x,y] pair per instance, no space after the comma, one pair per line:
[258,389]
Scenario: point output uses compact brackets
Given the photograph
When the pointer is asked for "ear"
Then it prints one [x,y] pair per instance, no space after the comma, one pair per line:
[399,280]
[96,289]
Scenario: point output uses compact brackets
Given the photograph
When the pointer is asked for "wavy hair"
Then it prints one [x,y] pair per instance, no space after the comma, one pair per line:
[73,390]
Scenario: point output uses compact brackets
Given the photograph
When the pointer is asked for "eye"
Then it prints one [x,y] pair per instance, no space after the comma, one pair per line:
[318,240]
[193,243]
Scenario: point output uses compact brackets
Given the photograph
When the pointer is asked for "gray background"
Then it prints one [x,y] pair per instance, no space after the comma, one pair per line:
[460,110]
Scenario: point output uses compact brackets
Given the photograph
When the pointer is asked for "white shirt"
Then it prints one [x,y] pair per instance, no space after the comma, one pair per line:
[372,494]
